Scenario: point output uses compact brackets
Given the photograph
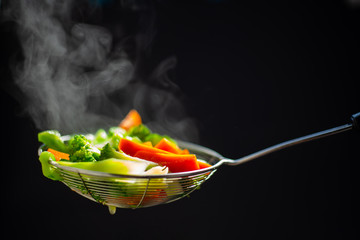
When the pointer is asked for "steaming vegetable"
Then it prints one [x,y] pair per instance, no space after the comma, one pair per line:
[166,145]
[110,165]
[175,162]
[109,152]
[129,148]
[52,139]
[140,131]
[144,134]
[132,119]
[100,137]
[59,155]
[47,170]
[81,150]
[203,164]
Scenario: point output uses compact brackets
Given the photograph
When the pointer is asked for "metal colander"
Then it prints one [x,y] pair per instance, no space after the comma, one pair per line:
[139,191]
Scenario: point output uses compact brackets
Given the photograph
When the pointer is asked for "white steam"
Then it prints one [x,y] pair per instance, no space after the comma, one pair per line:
[77,77]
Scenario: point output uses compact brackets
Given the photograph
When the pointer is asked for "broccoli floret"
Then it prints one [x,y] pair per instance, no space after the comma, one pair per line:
[84,155]
[109,152]
[140,131]
[144,134]
[81,150]
[154,138]
[114,141]
[116,130]
[77,142]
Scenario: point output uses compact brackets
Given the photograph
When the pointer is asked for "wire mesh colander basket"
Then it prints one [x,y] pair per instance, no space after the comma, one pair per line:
[137,191]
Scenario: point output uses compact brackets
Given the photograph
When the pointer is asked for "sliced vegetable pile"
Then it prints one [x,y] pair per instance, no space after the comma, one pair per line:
[130,148]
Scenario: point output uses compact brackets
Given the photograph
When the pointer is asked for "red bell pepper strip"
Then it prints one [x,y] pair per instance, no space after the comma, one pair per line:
[175,162]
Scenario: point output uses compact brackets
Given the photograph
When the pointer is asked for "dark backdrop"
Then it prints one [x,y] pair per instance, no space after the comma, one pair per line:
[253,75]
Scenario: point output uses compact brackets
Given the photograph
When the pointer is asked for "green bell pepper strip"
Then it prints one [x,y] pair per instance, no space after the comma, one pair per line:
[52,139]
[47,169]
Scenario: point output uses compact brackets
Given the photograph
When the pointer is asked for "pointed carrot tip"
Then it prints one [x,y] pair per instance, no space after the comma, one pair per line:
[132,119]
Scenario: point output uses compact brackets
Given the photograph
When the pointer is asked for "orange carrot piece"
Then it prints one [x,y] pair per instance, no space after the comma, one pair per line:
[132,119]
[185,151]
[203,164]
[148,143]
[166,145]
[175,162]
[59,155]
[131,148]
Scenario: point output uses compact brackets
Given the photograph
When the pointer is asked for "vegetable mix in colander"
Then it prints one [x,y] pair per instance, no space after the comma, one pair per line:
[130,148]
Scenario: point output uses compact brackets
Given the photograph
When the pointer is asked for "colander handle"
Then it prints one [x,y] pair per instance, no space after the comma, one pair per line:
[355,119]
[355,124]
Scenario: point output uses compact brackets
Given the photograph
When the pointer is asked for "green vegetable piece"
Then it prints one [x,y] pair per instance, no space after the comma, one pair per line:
[170,139]
[116,130]
[134,139]
[140,131]
[114,141]
[100,137]
[47,169]
[109,152]
[111,165]
[125,187]
[52,139]
[81,150]
[84,155]
[155,138]
[144,134]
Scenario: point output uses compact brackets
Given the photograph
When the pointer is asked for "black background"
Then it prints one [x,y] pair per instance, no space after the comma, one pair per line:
[253,74]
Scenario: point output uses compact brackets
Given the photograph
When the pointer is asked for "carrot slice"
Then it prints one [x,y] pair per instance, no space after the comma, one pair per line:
[58,155]
[132,119]
[203,164]
[148,143]
[185,151]
[175,162]
[131,148]
[166,145]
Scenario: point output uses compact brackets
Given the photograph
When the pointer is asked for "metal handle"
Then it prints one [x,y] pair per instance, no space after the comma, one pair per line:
[354,125]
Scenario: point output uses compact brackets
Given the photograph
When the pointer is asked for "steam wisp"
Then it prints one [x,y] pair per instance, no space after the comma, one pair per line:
[77,75]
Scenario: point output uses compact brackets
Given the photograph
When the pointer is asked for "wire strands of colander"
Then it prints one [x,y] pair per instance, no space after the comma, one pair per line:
[131,192]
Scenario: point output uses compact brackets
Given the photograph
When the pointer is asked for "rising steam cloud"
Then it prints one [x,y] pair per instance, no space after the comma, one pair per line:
[78,75]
